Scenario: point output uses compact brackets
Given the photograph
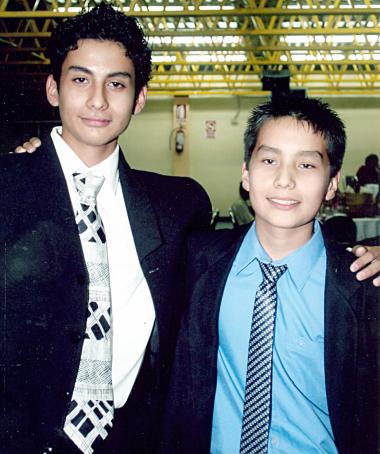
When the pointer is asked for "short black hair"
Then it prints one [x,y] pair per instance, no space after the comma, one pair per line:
[105,23]
[372,160]
[317,114]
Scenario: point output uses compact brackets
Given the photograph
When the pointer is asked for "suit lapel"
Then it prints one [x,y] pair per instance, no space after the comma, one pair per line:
[148,239]
[144,225]
[341,337]
[49,185]
[52,198]
[214,266]
[53,215]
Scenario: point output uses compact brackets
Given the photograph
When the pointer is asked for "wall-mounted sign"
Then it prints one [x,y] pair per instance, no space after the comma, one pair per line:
[210,129]
[180,112]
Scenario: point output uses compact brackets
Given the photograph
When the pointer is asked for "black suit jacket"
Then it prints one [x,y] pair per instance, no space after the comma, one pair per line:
[352,342]
[44,287]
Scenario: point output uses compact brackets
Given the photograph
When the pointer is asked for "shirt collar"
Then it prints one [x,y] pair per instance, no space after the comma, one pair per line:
[300,263]
[71,163]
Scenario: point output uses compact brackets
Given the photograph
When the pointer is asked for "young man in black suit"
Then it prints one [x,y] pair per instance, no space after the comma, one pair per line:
[44,270]
[279,346]
[100,69]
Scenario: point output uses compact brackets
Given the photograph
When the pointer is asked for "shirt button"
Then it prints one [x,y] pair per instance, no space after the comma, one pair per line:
[275,442]
[300,342]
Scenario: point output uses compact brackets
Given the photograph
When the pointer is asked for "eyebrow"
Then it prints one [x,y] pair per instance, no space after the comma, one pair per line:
[308,153]
[88,71]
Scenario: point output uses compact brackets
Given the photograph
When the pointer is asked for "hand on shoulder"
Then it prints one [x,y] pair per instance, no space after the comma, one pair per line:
[30,146]
[367,264]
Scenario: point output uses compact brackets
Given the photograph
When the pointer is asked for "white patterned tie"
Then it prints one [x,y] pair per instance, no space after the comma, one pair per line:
[91,410]
[258,386]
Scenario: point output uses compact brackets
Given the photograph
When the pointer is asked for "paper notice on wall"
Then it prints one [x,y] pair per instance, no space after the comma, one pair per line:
[210,129]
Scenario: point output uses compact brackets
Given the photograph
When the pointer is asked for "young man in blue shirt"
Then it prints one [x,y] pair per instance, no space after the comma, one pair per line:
[322,378]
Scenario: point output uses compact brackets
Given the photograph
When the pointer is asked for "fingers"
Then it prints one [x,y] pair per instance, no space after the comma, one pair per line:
[359,250]
[376,282]
[370,271]
[35,141]
[30,146]
[368,263]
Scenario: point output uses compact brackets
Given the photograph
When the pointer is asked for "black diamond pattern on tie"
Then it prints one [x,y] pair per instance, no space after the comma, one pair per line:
[258,387]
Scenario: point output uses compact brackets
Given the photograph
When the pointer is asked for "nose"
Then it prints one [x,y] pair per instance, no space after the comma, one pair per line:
[98,99]
[285,177]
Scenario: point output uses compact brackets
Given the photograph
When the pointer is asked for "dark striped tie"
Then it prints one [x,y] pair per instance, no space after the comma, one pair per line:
[257,402]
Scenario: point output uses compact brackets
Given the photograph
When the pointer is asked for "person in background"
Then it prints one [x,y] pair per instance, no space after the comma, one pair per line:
[369,173]
[241,208]
[279,346]
[91,254]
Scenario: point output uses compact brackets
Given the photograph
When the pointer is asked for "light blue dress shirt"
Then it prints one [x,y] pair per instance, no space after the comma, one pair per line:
[300,420]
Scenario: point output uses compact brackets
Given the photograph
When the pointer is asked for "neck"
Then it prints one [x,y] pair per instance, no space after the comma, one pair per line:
[93,157]
[89,154]
[280,242]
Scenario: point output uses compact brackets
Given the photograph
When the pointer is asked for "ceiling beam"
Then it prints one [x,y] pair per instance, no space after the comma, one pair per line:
[201,12]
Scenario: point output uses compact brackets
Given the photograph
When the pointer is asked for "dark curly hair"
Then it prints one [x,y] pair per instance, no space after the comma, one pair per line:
[317,114]
[104,23]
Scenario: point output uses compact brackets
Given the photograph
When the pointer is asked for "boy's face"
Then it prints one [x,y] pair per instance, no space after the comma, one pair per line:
[288,176]
[96,97]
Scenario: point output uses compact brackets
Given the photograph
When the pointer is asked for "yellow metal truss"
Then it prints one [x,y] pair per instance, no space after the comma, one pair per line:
[221,46]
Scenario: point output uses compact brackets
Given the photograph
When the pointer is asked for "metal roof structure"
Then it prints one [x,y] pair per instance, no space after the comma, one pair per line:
[209,47]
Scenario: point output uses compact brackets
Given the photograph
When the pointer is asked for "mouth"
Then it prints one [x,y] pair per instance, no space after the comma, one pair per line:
[286,204]
[96,122]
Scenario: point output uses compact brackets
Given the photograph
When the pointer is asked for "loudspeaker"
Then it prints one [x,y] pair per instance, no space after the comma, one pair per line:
[276,81]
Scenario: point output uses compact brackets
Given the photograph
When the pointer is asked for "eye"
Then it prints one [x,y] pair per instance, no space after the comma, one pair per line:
[116,84]
[269,161]
[79,80]
[306,165]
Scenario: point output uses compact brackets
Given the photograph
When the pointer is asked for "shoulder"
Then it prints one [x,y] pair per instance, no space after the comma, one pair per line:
[10,161]
[155,181]
[338,261]
[337,254]
[339,274]
[215,244]
[14,167]
[13,160]
[176,196]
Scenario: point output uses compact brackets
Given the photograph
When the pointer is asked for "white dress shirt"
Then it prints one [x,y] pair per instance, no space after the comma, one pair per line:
[132,306]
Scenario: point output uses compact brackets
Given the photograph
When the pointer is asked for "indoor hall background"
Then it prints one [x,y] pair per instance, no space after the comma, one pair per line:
[214,52]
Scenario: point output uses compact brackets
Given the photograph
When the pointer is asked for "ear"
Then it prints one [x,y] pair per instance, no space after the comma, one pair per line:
[52,91]
[245,176]
[140,100]
[332,187]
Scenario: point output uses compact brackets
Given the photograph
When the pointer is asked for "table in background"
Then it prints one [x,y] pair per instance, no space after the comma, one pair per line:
[367,227]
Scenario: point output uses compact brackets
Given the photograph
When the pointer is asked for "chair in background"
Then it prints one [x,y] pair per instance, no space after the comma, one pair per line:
[214,218]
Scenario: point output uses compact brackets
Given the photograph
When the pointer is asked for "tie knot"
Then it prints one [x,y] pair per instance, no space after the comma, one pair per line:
[88,185]
[272,273]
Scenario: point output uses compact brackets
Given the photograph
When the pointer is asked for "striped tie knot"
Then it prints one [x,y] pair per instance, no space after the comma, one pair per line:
[272,273]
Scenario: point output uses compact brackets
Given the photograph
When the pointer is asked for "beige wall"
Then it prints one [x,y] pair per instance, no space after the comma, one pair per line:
[146,141]
[216,163]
